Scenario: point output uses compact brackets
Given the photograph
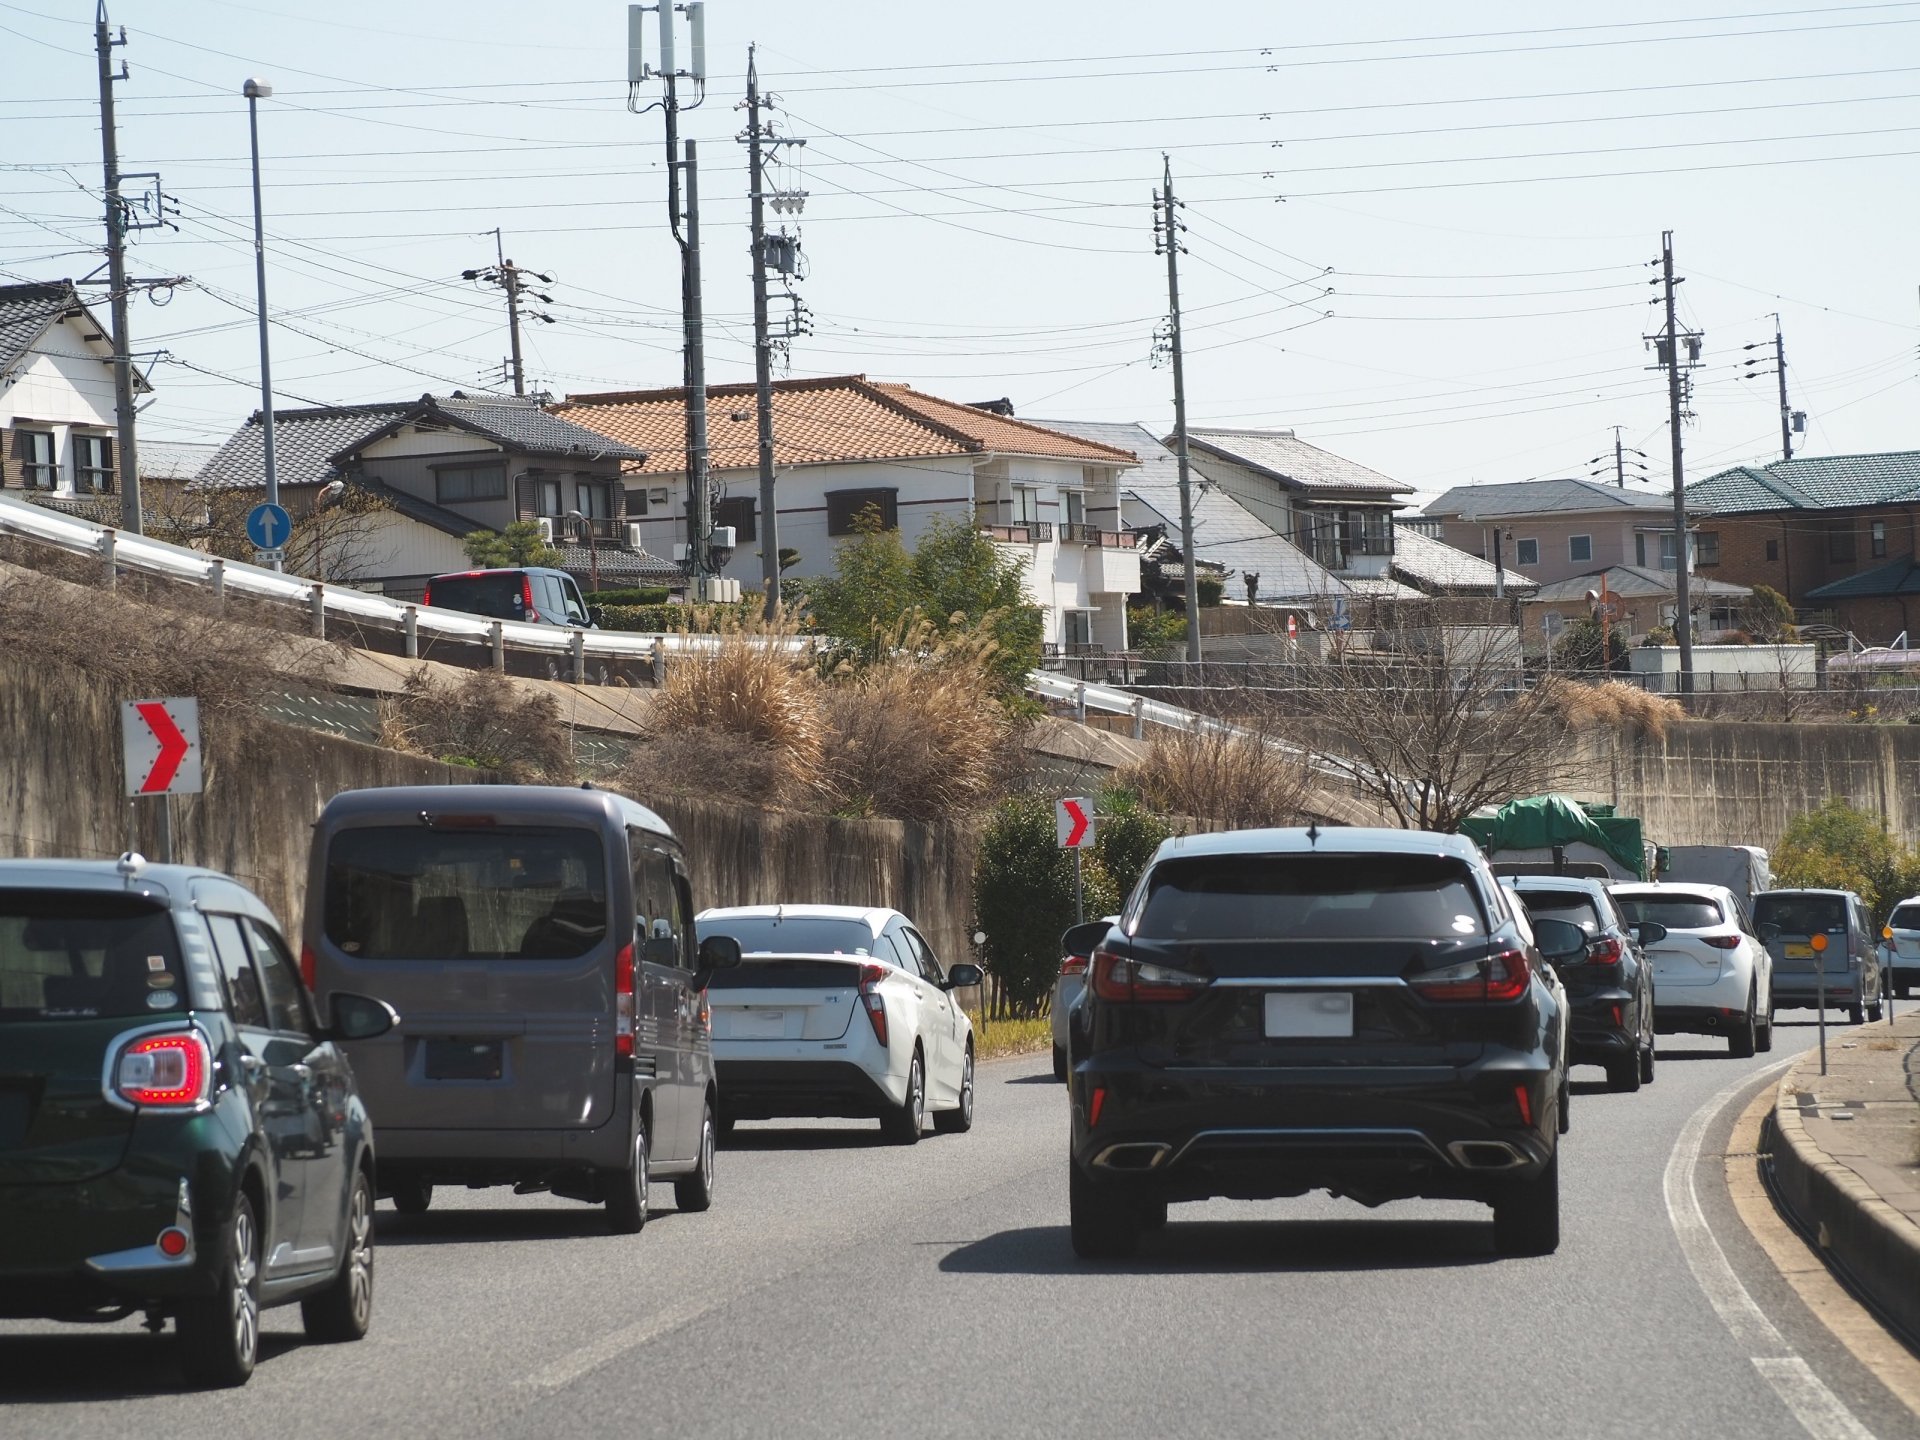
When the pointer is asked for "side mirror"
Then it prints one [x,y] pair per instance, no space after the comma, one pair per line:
[717,952]
[1084,939]
[596,617]
[1559,941]
[1649,932]
[359,1017]
[960,977]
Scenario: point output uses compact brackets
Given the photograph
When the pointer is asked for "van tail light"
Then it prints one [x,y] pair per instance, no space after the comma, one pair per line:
[1138,982]
[426,596]
[1722,942]
[1073,965]
[164,1072]
[1504,975]
[1605,951]
[526,593]
[623,1001]
[309,965]
[875,1003]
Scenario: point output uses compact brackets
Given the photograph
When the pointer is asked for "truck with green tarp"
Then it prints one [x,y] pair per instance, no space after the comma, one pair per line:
[1556,834]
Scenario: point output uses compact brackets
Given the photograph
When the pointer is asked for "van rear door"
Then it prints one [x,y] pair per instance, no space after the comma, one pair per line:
[495,943]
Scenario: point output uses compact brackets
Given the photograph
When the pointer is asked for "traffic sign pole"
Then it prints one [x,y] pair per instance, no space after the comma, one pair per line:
[1079,906]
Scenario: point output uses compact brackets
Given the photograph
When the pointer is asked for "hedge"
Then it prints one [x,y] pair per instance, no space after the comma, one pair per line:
[635,595]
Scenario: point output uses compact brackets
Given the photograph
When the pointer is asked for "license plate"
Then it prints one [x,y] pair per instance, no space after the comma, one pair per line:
[1799,951]
[1309,1014]
[463,1060]
[760,1024]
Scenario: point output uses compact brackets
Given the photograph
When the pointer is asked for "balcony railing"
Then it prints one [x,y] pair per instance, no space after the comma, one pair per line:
[1094,535]
[575,532]
[1021,532]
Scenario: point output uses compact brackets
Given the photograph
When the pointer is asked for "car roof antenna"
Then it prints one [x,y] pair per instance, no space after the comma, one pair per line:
[1313,832]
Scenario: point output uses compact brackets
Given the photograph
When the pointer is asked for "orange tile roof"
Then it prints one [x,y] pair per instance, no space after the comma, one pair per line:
[835,419]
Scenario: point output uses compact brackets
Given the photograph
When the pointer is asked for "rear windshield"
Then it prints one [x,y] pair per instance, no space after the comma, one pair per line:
[69,957]
[1676,912]
[410,893]
[1310,897]
[1905,917]
[1572,906]
[498,597]
[793,934]
[786,975]
[1801,914]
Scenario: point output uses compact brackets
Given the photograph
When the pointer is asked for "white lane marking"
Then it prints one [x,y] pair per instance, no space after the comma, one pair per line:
[1816,1407]
[1821,1413]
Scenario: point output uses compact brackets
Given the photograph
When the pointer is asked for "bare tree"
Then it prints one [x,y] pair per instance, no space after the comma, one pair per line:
[336,535]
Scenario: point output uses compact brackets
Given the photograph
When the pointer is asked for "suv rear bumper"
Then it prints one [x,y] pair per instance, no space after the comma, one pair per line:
[1700,1019]
[775,1089]
[1593,1035]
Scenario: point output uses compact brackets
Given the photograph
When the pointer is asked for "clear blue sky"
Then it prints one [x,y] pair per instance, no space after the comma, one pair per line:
[1453,288]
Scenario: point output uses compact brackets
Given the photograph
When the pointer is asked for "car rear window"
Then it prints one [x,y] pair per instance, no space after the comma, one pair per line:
[507,893]
[794,934]
[1676,912]
[1801,914]
[500,596]
[66,956]
[1905,917]
[1310,897]
[1573,906]
[780,974]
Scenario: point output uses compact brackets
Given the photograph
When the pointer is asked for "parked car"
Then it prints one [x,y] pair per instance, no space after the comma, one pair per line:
[531,593]
[540,942]
[1900,947]
[1711,974]
[1076,945]
[1823,946]
[1611,988]
[840,1010]
[1356,1010]
[180,1133]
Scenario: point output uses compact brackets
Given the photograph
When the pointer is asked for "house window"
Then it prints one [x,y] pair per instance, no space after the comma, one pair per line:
[1666,549]
[1706,547]
[740,512]
[93,462]
[1076,503]
[551,502]
[39,470]
[1580,548]
[1878,538]
[1640,550]
[1077,627]
[1840,544]
[847,507]
[1026,504]
[464,484]
[1526,552]
[1552,622]
[1773,549]
[593,498]
[636,502]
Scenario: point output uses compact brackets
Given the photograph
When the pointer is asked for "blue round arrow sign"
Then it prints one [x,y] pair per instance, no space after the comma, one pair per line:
[268,526]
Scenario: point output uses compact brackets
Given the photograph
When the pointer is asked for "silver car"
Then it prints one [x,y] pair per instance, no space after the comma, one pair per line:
[1076,947]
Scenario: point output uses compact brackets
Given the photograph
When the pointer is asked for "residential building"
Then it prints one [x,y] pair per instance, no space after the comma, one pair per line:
[849,450]
[1638,598]
[1835,534]
[446,467]
[57,424]
[1553,530]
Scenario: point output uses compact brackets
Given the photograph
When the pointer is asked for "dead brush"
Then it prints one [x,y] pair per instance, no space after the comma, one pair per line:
[916,733]
[482,720]
[1232,778]
[1614,705]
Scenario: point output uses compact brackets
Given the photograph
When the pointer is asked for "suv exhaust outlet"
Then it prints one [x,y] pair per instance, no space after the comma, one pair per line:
[1485,1155]
[1135,1155]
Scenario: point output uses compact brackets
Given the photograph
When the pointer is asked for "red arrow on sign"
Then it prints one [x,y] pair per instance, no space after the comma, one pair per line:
[1077,817]
[173,746]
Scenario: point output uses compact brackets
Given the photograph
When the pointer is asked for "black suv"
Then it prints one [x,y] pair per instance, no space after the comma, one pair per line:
[1610,984]
[178,1134]
[1352,1010]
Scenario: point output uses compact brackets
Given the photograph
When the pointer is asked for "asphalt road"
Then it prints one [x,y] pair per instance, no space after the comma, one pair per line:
[842,1287]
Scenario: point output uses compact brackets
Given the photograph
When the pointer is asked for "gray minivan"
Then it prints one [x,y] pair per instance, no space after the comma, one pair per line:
[539,942]
[1844,963]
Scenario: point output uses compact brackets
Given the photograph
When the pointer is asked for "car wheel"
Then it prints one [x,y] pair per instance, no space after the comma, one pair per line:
[627,1189]
[1624,1075]
[1874,1012]
[1902,988]
[904,1124]
[1763,1033]
[411,1196]
[1526,1213]
[1104,1225]
[1647,1059]
[960,1120]
[345,1308]
[1566,1107]
[220,1333]
[1855,1015]
[723,1127]
[1742,1041]
[694,1193]
[1060,1064]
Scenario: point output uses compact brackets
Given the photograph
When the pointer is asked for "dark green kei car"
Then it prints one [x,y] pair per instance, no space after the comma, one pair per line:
[180,1135]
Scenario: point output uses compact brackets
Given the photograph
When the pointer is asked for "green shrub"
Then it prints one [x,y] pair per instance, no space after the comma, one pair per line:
[1210,588]
[666,619]
[1023,899]
[1843,848]
[1126,837]
[634,595]
[1156,634]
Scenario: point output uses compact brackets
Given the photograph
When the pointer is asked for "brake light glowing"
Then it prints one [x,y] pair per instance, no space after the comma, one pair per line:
[164,1071]
[309,965]
[1722,942]
[876,1004]
[1504,975]
[1605,951]
[1139,982]
[623,1001]
[1073,965]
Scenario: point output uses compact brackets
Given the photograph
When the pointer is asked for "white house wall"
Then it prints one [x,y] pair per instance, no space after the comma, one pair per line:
[388,547]
[64,387]
[413,440]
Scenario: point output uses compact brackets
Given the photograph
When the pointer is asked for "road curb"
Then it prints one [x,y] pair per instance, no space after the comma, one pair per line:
[1875,1246]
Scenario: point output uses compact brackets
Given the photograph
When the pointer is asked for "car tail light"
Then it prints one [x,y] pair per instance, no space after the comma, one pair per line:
[1136,982]
[1095,1105]
[876,1004]
[1503,975]
[168,1071]
[1605,951]
[1722,942]
[623,1001]
[426,596]
[1525,1103]
[526,593]
[1073,965]
[173,1242]
[309,965]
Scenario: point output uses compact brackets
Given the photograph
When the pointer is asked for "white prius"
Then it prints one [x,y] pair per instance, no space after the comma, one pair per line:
[837,1010]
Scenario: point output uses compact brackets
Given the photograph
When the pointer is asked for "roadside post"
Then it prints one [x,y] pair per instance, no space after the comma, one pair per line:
[1819,944]
[979,954]
[160,750]
[1073,825]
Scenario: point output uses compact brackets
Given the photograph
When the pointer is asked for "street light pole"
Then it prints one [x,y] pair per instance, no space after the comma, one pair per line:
[593,547]
[255,90]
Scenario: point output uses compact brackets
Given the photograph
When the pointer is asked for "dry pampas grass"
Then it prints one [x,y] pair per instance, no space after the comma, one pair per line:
[1615,705]
[1231,778]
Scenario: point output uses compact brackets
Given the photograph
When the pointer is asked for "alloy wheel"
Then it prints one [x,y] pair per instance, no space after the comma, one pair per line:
[245,1307]
[360,1254]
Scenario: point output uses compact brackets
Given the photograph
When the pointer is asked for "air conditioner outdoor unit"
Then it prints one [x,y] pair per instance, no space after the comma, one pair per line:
[546,529]
[633,538]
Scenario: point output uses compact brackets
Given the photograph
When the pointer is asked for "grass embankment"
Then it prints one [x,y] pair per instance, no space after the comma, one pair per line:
[998,1039]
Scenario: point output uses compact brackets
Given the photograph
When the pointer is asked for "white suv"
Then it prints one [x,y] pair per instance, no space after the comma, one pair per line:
[838,1010]
[1711,974]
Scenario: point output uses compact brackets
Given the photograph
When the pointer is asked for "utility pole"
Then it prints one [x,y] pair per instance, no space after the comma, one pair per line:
[129,460]
[1166,241]
[1668,345]
[1620,462]
[1780,369]
[781,255]
[509,277]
